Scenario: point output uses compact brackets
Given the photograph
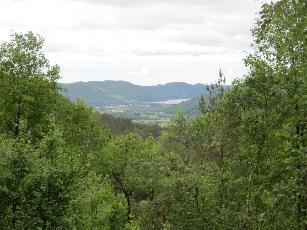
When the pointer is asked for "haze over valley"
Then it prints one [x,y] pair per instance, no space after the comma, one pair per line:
[153,104]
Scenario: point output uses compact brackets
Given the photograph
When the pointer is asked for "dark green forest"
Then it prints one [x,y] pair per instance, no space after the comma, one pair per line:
[241,164]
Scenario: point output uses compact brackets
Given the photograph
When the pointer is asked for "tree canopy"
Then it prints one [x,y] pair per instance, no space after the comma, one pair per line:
[240,164]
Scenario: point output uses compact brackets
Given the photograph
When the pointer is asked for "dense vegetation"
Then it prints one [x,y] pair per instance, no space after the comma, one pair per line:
[118,126]
[239,165]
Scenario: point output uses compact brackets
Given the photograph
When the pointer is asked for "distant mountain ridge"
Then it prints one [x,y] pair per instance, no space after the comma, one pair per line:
[104,93]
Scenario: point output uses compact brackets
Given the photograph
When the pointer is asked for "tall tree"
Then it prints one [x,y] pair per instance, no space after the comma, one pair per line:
[280,47]
[27,86]
[202,104]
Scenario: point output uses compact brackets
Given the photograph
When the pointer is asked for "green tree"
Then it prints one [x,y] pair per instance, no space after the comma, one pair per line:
[119,155]
[279,59]
[80,124]
[28,86]
[202,104]
[95,206]
[216,91]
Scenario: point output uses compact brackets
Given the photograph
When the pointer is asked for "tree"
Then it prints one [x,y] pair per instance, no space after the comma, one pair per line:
[280,51]
[216,91]
[81,125]
[95,206]
[202,104]
[28,86]
[119,155]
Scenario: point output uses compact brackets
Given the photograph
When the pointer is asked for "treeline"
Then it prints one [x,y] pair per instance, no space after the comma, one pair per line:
[239,165]
[119,125]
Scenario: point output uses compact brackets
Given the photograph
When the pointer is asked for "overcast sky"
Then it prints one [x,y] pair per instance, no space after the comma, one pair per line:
[142,41]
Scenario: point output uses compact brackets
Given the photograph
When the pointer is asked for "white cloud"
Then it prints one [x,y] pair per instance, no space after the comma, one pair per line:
[143,41]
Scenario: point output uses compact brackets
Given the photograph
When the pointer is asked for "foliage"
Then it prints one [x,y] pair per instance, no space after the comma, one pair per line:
[27,86]
[118,126]
[241,164]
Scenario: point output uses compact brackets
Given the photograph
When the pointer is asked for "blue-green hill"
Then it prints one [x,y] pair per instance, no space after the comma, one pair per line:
[104,93]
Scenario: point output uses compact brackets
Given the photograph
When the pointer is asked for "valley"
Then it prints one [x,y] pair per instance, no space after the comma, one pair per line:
[143,104]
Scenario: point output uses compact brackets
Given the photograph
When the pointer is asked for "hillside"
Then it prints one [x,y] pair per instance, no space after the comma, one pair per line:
[143,104]
[105,93]
[240,164]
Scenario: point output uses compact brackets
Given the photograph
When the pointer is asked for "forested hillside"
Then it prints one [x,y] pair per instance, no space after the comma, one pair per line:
[104,93]
[141,104]
[118,126]
[241,164]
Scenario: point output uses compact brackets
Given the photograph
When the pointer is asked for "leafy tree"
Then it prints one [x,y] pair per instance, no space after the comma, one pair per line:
[95,206]
[278,62]
[239,165]
[81,125]
[118,157]
[216,91]
[202,104]
[27,86]
[35,183]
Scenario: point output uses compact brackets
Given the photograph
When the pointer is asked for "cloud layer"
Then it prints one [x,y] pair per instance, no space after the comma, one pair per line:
[142,41]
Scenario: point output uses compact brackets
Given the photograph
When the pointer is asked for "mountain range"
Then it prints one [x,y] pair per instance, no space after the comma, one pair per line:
[106,93]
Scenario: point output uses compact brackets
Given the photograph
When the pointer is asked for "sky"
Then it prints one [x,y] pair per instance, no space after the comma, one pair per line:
[146,42]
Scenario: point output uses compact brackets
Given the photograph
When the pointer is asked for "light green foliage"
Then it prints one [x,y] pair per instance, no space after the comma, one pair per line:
[178,196]
[80,125]
[34,184]
[46,148]
[94,206]
[202,105]
[27,86]
[239,165]
[120,155]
